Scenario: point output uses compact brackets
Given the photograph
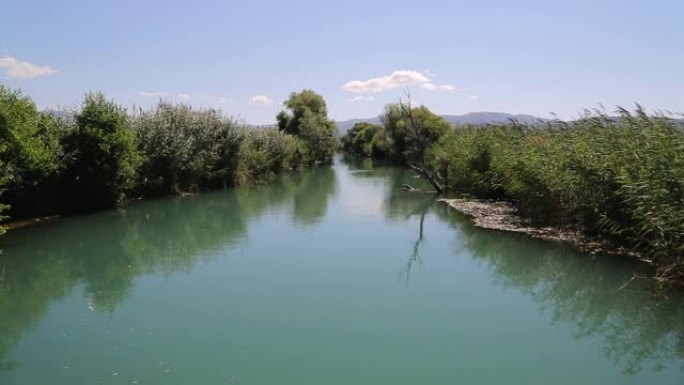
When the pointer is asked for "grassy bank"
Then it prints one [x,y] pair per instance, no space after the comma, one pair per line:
[99,155]
[617,177]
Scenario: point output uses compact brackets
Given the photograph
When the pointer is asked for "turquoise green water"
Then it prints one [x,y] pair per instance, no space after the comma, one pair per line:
[329,276]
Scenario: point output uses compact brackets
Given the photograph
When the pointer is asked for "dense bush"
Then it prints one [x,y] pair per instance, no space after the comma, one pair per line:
[621,178]
[101,156]
[412,130]
[368,139]
[464,158]
[307,119]
[407,134]
[265,152]
[188,150]
[30,153]
[98,155]
[184,149]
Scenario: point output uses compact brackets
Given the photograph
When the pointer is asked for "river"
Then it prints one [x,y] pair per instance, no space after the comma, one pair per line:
[325,276]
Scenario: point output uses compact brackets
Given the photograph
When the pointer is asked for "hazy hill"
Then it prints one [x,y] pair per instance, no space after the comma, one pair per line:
[469,118]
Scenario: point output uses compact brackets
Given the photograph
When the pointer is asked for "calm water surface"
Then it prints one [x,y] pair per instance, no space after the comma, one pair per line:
[329,276]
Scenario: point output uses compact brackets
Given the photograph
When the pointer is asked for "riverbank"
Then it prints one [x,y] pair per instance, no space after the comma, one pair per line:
[504,216]
[102,154]
[616,178]
[28,222]
[158,267]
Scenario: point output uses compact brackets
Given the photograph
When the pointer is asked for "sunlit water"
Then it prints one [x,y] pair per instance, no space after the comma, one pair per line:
[327,276]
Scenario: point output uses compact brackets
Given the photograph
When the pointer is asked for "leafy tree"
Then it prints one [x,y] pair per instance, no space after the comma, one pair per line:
[308,119]
[368,139]
[29,148]
[101,156]
[414,131]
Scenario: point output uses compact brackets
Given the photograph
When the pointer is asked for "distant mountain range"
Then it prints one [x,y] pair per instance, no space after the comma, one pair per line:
[469,118]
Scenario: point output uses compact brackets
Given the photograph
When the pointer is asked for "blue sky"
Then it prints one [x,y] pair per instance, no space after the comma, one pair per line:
[246,57]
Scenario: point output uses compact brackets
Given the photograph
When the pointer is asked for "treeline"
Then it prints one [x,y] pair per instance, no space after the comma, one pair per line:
[101,155]
[617,177]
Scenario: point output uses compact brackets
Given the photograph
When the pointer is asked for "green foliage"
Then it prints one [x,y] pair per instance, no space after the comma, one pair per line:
[27,143]
[29,151]
[263,153]
[464,159]
[190,150]
[413,130]
[63,162]
[185,149]
[300,105]
[620,178]
[368,139]
[101,156]
[307,119]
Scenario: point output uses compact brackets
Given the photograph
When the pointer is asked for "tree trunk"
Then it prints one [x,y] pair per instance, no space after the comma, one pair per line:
[429,176]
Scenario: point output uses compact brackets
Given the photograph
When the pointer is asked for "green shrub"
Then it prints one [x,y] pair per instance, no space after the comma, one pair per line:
[63,162]
[185,149]
[30,154]
[368,139]
[307,119]
[464,158]
[265,152]
[412,131]
[621,178]
[101,156]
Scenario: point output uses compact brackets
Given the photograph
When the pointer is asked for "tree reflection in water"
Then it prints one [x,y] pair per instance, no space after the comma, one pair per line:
[173,235]
[637,326]
[158,236]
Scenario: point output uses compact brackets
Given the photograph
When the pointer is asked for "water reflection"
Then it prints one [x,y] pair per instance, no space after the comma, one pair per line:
[597,295]
[400,205]
[105,252]
[311,198]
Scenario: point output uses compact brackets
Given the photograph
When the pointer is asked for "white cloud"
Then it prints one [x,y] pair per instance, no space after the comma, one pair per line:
[388,82]
[361,98]
[435,87]
[396,79]
[224,100]
[17,69]
[261,99]
[153,94]
[183,97]
[474,97]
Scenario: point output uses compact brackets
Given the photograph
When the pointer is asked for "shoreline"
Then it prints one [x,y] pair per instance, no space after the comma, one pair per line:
[28,222]
[503,216]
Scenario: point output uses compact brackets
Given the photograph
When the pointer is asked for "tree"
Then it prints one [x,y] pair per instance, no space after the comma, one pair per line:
[414,131]
[29,150]
[307,118]
[367,139]
[101,156]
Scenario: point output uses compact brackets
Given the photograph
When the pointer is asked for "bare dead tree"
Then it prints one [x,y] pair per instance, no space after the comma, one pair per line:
[416,126]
